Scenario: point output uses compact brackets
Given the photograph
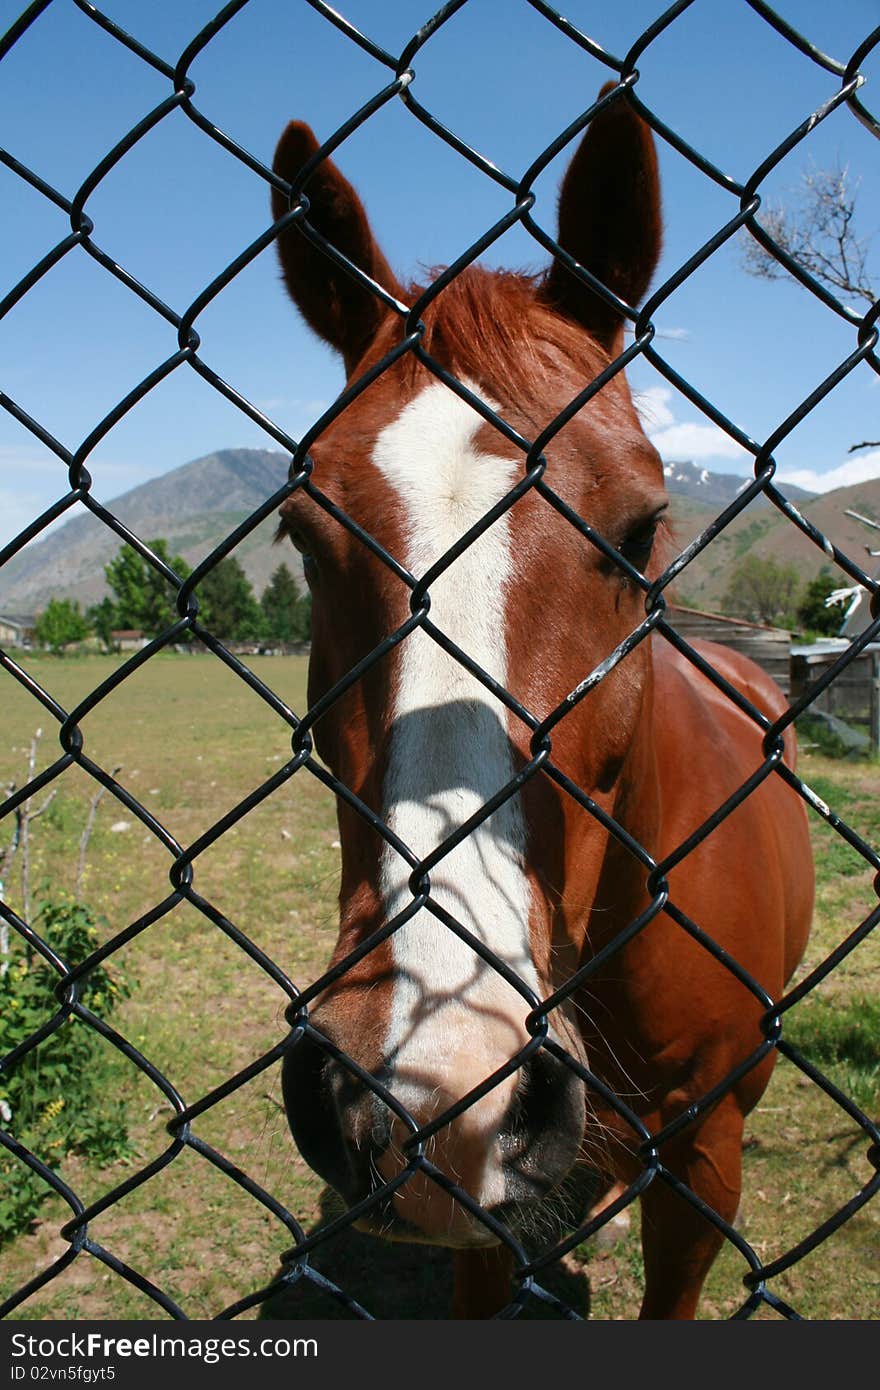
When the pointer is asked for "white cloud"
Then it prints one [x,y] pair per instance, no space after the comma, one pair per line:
[18,509]
[25,460]
[695,442]
[857,469]
[682,439]
[303,408]
[698,441]
[28,464]
[668,331]
[31,479]
[653,407]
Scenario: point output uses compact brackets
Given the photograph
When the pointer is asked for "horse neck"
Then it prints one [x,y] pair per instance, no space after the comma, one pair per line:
[620,893]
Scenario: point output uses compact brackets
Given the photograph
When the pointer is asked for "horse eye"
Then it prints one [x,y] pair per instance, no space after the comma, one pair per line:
[639,543]
[301,542]
[297,539]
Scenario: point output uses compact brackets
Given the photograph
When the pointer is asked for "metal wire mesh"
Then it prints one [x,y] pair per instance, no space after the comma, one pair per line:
[396,81]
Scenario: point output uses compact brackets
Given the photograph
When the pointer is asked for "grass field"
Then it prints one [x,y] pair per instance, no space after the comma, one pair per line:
[192,741]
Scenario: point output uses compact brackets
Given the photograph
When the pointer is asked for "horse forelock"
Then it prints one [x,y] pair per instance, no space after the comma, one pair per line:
[495,327]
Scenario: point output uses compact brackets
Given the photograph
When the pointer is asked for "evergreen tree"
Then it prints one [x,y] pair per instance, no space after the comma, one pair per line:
[812,614]
[227,604]
[285,610]
[305,616]
[101,618]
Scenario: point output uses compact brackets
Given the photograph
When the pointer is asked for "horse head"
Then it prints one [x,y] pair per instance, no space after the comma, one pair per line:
[440,1007]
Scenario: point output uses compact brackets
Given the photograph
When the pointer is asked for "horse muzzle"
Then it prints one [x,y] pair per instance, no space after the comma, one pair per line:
[507,1152]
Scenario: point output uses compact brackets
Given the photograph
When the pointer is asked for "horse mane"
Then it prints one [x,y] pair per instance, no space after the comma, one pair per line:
[495,327]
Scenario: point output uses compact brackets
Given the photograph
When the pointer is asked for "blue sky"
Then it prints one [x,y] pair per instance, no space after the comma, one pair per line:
[179,208]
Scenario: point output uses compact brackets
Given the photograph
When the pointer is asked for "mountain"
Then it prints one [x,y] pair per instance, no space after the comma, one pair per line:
[196,505]
[762,530]
[193,507]
[715,490]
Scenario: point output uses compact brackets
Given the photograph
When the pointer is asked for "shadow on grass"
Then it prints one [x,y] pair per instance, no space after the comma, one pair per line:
[393,1280]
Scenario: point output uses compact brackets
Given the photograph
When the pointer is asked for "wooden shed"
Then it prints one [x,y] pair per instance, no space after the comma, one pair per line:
[854,693]
[768,647]
[128,639]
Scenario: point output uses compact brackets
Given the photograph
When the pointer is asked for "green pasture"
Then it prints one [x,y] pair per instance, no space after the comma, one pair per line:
[191,741]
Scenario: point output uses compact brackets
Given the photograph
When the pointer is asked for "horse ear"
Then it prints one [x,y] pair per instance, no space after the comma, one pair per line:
[609,220]
[343,312]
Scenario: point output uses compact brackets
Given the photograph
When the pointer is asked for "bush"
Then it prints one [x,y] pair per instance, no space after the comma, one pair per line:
[56,1100]
[762,591]
[812,614]
[60,624]
[832,736]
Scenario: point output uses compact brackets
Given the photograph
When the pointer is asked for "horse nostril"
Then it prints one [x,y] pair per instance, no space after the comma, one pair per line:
[310,1112]
[331,1117]
[542,1131]
[544,1098]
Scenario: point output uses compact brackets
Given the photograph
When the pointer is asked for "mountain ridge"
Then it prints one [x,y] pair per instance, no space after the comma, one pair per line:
[195,505]
[687,479]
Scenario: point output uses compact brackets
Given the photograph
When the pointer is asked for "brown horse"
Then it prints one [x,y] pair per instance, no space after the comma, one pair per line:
[544,884]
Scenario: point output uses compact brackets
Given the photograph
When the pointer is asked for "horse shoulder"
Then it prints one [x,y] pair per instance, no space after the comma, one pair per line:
[758,859]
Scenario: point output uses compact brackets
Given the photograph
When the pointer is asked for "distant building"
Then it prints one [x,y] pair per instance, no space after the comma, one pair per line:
[128,639]
[853,695]
[16,631]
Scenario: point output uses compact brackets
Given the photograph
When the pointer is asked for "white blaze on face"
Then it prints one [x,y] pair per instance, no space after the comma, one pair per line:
[454,1020]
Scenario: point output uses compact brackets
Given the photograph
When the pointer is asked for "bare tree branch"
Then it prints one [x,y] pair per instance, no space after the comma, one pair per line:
[816,229]
[5,866]
[27,816]
[8,853]
[20,843]
[87,835]
[865,444]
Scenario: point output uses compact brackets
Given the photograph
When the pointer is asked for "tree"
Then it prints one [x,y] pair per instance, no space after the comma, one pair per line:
[286,612]
[227,605]
[306,616]
[812,614]
[144,599]
[101,618]
[761,590]
[817,229]
[59,623]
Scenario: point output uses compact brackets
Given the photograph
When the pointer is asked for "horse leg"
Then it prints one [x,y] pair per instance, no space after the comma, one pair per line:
[482,1282]
[615,1229]
[678,1243]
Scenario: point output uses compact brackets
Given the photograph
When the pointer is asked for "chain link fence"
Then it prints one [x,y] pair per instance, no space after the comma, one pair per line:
[396,80]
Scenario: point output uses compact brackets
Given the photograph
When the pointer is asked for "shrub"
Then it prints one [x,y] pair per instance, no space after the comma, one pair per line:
[812,614]
[832,736]
[761,590]
[58,1099]
[60,624]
